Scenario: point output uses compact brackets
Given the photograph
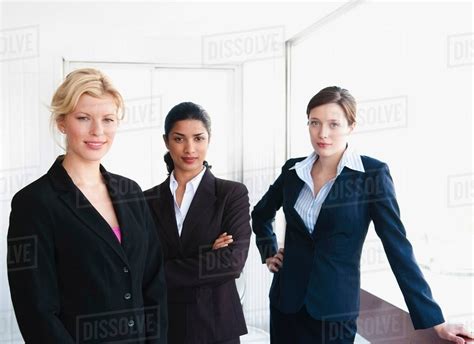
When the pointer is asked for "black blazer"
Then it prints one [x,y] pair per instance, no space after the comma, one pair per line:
[321,269]
[203,303]
[77,283]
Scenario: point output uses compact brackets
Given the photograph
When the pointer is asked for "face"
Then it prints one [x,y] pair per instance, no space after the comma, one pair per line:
[187,143]
[90,128]
[329,129]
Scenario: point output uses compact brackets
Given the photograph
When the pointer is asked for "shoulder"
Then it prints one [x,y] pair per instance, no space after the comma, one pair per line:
[150,192]
[291,162]
[372,165]
[228,186]
[155,191]
[38,192]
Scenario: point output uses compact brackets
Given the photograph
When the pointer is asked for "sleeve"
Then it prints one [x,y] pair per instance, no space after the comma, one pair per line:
[263,216]
[32,274]
[385,213]
[154,286]
[213,267]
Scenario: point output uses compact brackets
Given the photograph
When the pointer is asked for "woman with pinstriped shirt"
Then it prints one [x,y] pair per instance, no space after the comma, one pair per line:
[329,198]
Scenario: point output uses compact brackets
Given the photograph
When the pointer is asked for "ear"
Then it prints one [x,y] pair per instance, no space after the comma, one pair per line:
[165,139]
[352,127]
[60,124]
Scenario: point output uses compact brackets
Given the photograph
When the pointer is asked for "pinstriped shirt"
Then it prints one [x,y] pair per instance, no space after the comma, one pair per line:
[307,205]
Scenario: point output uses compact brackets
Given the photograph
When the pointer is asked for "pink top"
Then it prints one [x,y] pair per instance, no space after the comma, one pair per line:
[117,233]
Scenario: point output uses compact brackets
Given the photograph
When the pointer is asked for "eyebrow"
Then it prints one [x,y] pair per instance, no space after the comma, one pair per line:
[176,133]
[329,120]
[88,114]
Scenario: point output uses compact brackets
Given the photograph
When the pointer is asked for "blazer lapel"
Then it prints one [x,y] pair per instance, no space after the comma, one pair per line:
[295,185]
[203,200]
[337,197]
[82,208]
[125,217]
[163,207]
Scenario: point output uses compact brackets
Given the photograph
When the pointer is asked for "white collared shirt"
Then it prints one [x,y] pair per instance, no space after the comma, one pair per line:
[188,196]
[307,205]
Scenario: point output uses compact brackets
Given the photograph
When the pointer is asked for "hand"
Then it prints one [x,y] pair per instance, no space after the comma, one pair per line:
[451,332]
[276,262]
[222,241]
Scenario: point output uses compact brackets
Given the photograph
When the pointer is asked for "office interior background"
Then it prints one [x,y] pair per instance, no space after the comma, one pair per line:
[254,67]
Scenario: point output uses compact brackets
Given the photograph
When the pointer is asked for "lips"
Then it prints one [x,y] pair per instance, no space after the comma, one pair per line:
[323,145]
[94,144]
[189,160]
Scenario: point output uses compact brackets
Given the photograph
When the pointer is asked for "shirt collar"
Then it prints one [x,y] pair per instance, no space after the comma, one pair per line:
[350,159]
[193,183]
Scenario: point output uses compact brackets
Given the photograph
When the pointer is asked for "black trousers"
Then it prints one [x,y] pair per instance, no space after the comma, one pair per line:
[230,341]
[301,328]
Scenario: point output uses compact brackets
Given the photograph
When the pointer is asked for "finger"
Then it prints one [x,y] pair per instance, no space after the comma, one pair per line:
[216,247]
[273,268]
[464,332]
[279,256]
[455,339]
[281,250]
[223,239]
[278,263]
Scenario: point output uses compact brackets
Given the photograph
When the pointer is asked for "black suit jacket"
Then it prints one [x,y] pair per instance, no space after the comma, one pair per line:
[321,270]
[77,283]
[203,302]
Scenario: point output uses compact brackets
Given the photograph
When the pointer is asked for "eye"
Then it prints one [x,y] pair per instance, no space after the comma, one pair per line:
[178,139]
[82,118]
[334,125]
[109,120]
[314,123]
[200,138]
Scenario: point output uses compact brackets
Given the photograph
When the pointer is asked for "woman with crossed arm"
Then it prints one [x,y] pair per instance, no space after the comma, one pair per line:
[204,226]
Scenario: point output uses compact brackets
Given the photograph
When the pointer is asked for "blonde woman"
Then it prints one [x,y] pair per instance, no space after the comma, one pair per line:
[98,272]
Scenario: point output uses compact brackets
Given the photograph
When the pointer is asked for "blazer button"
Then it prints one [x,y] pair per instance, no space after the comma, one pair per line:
[131,323]
[127,296]
[125,269]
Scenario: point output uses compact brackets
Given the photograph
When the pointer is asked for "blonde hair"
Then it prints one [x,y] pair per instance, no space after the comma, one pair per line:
[88,81]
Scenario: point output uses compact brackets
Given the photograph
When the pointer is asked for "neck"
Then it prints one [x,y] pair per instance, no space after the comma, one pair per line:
[85,173]
[183,177]
[328,164]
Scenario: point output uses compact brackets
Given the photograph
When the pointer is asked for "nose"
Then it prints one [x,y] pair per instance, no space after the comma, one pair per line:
[323,131]
[97,128]
[189,146]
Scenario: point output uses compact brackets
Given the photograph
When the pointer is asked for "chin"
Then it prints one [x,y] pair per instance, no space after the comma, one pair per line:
[93,156]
